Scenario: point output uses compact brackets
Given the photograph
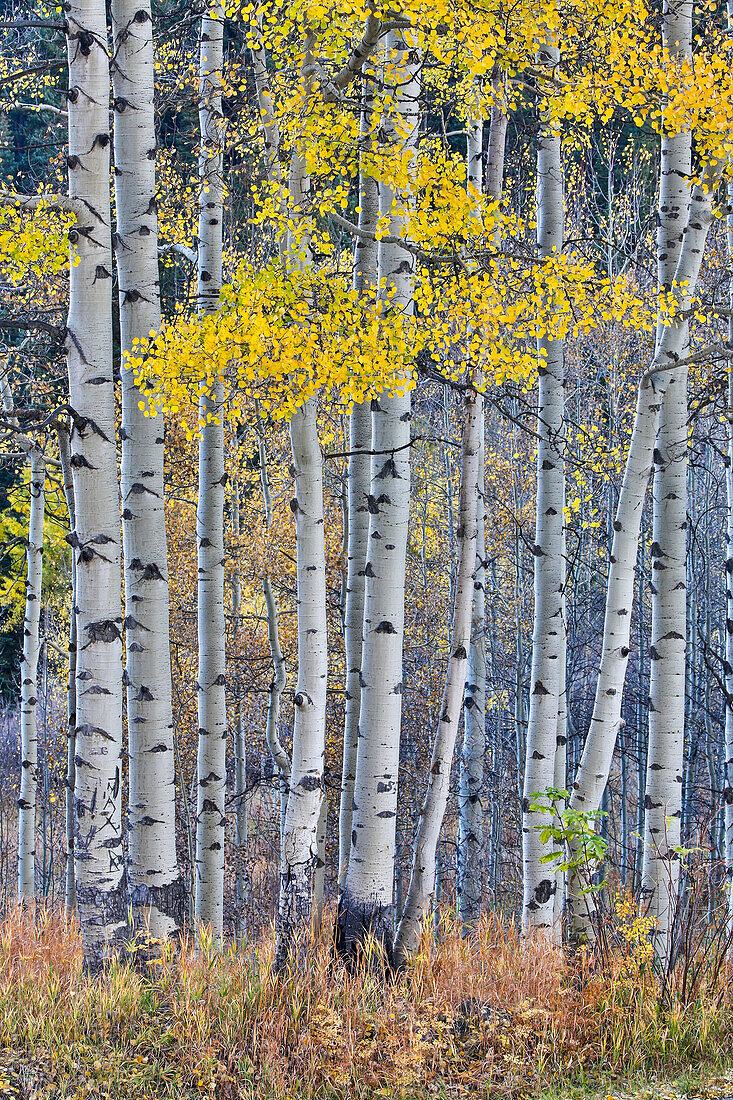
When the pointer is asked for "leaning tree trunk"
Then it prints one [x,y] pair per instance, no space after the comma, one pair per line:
[365,905]
[360,441]
[663,795]
[595,764]
[29,679]
[155,887]
[547,640]
[300,858]
[62,435]
[98,845]
[212,717]
[422,879]
[470,870]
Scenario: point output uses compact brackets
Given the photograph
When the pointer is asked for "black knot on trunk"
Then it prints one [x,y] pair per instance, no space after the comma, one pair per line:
[104,630]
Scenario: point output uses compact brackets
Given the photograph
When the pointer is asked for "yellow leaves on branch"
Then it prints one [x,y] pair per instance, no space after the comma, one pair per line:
[33,246]
[281,338]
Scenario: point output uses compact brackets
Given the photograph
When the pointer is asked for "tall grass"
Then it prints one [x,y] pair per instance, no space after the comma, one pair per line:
[495,1014]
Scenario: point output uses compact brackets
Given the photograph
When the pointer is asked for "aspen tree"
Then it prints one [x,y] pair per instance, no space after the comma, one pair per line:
[422,878]
[155,887]
[471,845]
[211,758]
[98,846]
[547,640]
[29,678]
[300,862]
[360,440]
[728,661]
[366,900]
[300,858]
[663,794]
[62,435]
[29,659]
[671,340]
[279,673]
[241,890]
[303,843]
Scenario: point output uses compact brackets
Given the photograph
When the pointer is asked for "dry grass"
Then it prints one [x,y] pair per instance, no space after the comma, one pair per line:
[494,1015]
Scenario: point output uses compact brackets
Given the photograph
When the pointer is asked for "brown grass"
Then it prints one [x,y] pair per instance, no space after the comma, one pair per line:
[496,1014]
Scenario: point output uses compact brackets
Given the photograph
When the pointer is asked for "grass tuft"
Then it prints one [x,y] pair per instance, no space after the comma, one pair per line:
[496,1014]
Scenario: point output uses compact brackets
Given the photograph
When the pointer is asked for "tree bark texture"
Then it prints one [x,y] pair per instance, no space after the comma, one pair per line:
[211,762]
[29,679]
[366,899]
[595,764]
[539,879]
[360,441]
[62,435]
[98,846]
[422,879]
[663,794]
[155,887]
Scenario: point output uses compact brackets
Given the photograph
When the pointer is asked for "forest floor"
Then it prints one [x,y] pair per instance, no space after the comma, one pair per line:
[494,1015]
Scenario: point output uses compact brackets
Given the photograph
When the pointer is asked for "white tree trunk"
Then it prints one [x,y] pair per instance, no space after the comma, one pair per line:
[300,847]
[155,886]
[471,846]
[663,795]
[299,863]
[212,717]
[547,648]
[98,845]
[470,870]
[422,879]
[279,673]
[29,679]
[595,764]
[62,434]
[241,879]
[728,665]
[561,754]
[366,900]
[360,441]
[470,881]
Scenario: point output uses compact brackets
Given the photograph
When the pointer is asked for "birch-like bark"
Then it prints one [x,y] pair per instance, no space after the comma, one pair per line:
[305,798]
[241,885]
[470,870]
[300,858]
[29,679]
[366,901]
[663,795]
[212,717]
[155,887]
[728,665]
[28,787]
[561,739]
[279,673]
[470,880]
[360,441]
[595,764]
[62,435]
[422,879]
[471,841]
[547,639]
[98,846]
